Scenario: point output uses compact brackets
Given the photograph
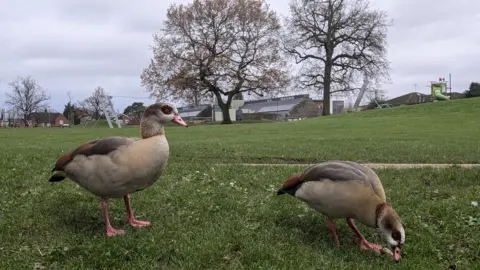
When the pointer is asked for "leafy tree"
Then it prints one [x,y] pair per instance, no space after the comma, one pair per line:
[217,48]
[71,114]
[473,90]
[136,109]
[337,42]
[68,110]
[26,97]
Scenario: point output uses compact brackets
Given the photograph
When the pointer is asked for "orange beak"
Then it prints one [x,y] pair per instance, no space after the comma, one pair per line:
[179,121]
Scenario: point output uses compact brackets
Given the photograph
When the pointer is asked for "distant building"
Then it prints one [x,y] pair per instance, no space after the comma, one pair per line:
[200,112]
[14,122]
[281,108]
[319,103]
[288,108]
[127,119]
[233,111]
[418,98]
[410,99]
[337,106]
[47,119]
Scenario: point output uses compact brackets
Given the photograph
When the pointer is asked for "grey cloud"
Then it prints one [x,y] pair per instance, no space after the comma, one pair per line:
[411,13]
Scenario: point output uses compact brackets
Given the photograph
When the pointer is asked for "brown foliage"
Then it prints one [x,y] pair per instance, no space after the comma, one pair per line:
[217,48]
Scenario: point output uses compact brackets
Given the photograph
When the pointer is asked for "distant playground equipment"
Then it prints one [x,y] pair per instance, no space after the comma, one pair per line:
[439,90]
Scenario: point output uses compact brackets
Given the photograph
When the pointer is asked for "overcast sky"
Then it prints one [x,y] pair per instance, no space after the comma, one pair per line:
[76,45]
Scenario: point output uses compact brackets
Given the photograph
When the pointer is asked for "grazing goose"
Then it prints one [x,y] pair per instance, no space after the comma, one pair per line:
[114,167]
[345,189]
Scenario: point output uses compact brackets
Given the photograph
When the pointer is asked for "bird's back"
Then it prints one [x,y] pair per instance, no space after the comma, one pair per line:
[338,189]
[338,171]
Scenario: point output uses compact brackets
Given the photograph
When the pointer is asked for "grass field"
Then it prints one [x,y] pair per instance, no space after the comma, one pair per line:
[206,216]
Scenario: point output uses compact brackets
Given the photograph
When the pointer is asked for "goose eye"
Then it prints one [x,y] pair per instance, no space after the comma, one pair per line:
[166,109]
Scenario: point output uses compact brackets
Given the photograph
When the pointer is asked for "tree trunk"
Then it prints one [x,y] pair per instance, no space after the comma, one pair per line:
[327,76]
[226,114]
[327,73]
[225,108]
[25,120]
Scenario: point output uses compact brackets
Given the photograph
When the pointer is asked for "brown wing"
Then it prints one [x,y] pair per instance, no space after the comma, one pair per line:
[95,147]
[371,176]
[335,171]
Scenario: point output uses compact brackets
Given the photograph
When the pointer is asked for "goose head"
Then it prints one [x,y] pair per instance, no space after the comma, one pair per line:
[391,229]
[157,115]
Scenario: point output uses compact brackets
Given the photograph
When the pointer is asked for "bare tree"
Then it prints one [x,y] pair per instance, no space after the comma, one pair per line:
[217,47]
[337,42]
[27,96]
[69,94]
[93,104]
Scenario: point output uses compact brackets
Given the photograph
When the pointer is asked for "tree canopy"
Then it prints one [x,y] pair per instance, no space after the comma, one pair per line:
[136,109]
[70,112]
[217,49]
[473,90]
[92,106]
[337,43]
[26,97]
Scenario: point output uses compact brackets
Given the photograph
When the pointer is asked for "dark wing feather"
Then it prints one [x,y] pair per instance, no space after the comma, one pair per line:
[335,171]
[371,177]
[95,147]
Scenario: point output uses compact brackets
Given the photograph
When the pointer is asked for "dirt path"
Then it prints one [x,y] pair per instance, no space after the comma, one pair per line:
[377,165]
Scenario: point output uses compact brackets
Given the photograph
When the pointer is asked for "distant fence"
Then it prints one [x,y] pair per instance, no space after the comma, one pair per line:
[271,117]
[264,116]
[197,120]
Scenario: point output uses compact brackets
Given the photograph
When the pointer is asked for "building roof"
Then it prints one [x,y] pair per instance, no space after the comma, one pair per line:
[192,111]
[273,105]
[410,98]
[44,117]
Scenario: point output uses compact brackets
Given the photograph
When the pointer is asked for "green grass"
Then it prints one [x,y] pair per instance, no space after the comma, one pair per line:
[442,132]
[228,217]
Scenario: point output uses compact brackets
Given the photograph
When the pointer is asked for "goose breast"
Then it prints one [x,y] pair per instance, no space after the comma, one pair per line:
[130,166]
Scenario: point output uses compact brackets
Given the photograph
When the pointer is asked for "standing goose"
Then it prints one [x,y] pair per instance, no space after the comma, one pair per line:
[346,189]
[114,167]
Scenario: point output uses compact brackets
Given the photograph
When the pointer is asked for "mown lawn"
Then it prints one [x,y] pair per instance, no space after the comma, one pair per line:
[228,217]
[442,132]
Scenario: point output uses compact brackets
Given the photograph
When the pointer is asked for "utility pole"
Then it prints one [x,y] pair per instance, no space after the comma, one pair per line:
[70,116]
[450,82]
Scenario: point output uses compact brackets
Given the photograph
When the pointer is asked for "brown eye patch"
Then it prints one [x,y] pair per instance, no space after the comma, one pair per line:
[166,109]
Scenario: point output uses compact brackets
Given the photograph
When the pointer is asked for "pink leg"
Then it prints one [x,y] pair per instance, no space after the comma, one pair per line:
[131,219]
[333,230]
[109,230]
[364,244]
